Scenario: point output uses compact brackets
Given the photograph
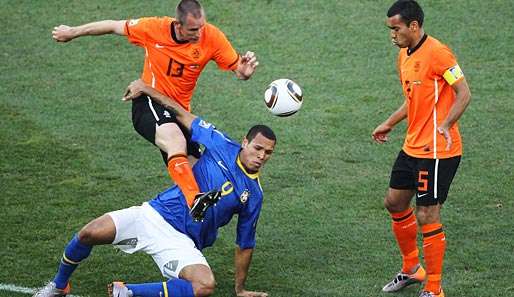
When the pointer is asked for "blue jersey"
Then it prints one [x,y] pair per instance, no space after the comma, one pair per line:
[218,168]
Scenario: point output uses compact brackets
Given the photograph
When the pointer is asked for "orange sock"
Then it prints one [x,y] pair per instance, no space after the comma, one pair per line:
[434,246]
[406,231]
[181,172]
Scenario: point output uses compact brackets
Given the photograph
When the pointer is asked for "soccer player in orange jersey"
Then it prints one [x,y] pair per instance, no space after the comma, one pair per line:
[436,95]
[176,52]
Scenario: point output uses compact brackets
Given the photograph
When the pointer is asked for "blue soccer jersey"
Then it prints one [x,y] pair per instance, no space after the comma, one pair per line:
[218,168]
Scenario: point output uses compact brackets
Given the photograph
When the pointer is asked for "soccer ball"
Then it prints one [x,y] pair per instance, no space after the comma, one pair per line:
[283,97]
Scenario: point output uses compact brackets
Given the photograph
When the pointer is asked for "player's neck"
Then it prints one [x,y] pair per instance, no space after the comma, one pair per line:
[176,34]
[418,40]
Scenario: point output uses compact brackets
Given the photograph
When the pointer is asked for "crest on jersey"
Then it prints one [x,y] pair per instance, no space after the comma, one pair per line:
[244,196]
[204,124]
[196,53]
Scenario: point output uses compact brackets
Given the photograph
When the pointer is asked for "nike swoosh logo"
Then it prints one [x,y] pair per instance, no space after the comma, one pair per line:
[159,46]
[222,166]
[419,196]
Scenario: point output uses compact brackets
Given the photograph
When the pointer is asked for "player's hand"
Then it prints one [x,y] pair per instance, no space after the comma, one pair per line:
[245,293]
[379,135]
[134,90]
[63,33]
[445,131]
[248,65]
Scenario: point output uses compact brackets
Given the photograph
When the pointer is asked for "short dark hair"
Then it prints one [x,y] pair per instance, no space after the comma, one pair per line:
[262,129]
[186,7]
[409,10]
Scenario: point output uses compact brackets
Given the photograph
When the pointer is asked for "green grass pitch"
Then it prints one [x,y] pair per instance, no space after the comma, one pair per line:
[69,153]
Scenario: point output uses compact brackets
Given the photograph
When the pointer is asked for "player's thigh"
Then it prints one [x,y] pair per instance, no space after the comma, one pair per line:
[169,138]
[148,116]
[170,249]
[401,183]
[128,229]
[434,179]
[99,231]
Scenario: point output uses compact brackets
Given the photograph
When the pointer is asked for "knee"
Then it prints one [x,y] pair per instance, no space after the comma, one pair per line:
[391,205]
[204,287]
[86,235]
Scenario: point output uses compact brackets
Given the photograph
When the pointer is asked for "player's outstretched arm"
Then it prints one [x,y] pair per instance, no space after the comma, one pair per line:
[242,260]
[380,132]
[139,87]
[246,66]
[63,33]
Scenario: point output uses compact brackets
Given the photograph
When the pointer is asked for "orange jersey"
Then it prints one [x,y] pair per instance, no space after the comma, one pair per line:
[427,74]
[172,66]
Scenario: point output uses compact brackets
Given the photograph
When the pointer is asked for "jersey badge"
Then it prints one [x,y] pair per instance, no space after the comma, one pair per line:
[204,124]
[195,54]
[417,66]
[244,196]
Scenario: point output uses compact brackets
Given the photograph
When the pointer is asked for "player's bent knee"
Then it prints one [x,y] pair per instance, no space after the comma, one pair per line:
[204,287]
[201,278]
[99,231]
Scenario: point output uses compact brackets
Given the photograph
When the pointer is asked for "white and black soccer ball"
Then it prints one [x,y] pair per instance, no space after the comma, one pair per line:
[283,97]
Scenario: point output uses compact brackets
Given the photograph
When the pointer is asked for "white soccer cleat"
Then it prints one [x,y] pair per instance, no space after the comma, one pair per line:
[118,289]
[430,294]
[51,291]
[402,280]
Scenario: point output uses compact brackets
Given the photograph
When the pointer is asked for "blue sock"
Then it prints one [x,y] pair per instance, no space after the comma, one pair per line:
[74,252]
[175,288]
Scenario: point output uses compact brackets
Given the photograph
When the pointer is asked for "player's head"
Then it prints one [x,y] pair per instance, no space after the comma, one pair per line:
[257,147]
[405,19]
[191,19]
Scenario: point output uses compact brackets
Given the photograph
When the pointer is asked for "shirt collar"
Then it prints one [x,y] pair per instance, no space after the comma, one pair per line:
[250,175]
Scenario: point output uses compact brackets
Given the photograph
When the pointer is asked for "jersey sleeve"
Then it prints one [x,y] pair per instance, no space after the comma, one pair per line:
[225,55]
[247,225]
[137,30]
[206,134]
[445,65]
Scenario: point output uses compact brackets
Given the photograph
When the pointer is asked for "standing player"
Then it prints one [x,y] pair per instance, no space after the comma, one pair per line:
[163,228]
[436,95]
[176,52]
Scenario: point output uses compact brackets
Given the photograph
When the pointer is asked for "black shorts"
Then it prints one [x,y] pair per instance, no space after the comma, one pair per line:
[147,115]
[430,178]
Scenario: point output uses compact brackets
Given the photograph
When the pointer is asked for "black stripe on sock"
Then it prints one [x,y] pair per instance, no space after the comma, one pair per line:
[404,217]
[432,233]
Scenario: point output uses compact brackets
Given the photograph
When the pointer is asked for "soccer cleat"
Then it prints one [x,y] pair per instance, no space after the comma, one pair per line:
[118,289]
[202,202]
[403,280]
[51,291]
[430,294]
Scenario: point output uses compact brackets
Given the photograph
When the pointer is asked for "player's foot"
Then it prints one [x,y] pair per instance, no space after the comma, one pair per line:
[430,294]
[402,280]
[202,202]
[51,291]
[118,289]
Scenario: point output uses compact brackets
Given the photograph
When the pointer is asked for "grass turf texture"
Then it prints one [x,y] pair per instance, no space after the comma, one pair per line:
[69,153]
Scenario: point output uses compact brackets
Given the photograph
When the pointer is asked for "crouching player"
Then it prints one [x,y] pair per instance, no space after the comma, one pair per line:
[163,228]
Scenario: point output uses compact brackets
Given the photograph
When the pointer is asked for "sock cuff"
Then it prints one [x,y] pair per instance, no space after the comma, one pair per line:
[177,156]
[402,215]
[431,229]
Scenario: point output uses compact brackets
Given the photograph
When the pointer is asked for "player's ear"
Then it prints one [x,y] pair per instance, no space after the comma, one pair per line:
[244,143]
[414,26]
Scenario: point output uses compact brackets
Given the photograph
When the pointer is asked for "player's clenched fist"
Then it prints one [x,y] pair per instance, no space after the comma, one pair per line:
[62,33]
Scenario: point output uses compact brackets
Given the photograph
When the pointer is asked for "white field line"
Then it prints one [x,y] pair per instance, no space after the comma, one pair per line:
[18,289]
